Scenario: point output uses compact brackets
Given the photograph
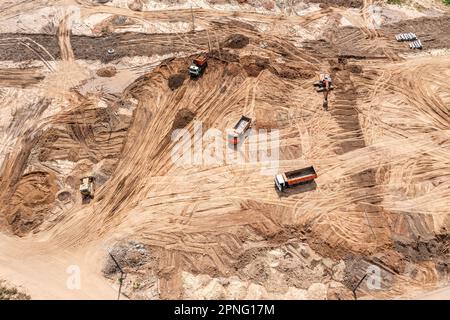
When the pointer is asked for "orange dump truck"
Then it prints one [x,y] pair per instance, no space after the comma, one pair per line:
[293,178]
[239,129]
[198,66]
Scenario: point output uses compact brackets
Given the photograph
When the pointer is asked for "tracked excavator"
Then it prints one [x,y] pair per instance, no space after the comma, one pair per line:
[325,85]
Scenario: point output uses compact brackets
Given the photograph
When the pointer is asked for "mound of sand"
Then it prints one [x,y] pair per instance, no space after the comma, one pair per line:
[183,117]
[236,41]
[176,80]
[107,72]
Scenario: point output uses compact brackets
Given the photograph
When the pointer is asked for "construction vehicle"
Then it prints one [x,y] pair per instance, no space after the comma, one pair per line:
[325,85]
[236,134]
[87,187]
[296,177]
[198,66]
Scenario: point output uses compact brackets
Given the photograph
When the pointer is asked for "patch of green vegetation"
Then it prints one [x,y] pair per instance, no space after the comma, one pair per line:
[447,2]
[8,293]
[398,2]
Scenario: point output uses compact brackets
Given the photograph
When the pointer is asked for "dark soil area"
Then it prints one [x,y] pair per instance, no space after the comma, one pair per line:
[176,80]
[182,119]
[289,72]
[353,68]
[425,249]
[253,65]
[339,3]
[432,32]
[342,109]
[18,52]
[96,48]
[236,41]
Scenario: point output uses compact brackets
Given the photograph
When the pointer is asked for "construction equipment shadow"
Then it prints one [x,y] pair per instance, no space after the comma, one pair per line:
[86,199]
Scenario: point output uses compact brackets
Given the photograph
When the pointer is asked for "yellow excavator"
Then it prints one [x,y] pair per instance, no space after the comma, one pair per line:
[87,187]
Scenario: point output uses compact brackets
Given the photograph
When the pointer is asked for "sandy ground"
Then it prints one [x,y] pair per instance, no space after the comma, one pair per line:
[49,277]
[220,230]
[441,294]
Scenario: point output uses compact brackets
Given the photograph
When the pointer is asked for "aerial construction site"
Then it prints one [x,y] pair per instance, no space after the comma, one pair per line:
[224,149]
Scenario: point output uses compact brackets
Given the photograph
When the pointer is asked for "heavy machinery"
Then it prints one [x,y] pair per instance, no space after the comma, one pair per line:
[198,66]
[296,177]
[236,134]
[325,85]
[87,187]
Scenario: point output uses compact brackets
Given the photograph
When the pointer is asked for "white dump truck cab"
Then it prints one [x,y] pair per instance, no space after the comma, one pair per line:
[87,186]
[198,66]
[194,70]
[280,182]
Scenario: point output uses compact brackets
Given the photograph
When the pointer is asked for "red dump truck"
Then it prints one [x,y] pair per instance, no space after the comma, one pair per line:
[293,178]
[198,66]
[239,129]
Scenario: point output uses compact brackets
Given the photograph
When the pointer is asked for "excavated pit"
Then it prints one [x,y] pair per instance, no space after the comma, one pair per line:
[177,229]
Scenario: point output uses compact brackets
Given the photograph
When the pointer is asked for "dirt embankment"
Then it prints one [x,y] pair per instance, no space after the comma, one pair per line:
[85,141]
